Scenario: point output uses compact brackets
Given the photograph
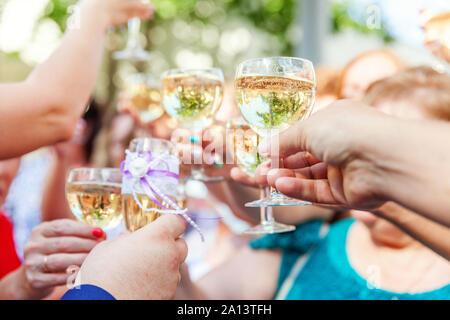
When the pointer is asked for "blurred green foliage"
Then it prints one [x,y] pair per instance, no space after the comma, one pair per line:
[273,16]
[342,20]
[58,11]
[269,25]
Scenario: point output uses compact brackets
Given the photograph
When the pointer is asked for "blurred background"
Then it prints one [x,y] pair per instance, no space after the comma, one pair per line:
[203,33]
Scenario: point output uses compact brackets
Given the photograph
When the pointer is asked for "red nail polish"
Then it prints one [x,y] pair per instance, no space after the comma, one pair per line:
[97,232]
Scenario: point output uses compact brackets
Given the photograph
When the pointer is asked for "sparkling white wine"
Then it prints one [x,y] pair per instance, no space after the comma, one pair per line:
[191,99]
[136,218]
[272,104]
[98,204]
[142,101]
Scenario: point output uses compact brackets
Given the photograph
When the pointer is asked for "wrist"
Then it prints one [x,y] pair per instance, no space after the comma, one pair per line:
[17,286]
[93,16]
[87,292]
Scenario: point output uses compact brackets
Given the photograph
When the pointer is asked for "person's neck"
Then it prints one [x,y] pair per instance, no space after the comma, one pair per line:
[387,264]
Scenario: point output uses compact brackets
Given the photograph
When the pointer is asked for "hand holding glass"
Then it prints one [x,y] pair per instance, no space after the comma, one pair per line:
[193,97]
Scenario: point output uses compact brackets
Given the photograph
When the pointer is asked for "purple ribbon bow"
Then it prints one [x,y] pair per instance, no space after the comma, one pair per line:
[153,192]
[153,173]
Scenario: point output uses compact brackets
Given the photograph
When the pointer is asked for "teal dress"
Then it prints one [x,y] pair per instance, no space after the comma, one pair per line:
[315,265]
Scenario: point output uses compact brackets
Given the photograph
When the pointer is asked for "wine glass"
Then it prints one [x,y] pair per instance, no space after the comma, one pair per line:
[192,97]
[94,196]
[141,97]
[134,216]
[245,145]
[274,93]
[133,49]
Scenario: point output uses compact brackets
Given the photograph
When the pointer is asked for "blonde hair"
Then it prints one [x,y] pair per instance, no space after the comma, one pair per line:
[398,63]
[327,79]
[428,89]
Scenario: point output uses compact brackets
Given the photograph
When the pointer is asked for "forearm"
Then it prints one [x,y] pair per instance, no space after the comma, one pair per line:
[54,204]
[71,71]
[44,109]
[413,162]
[14,286]
[429,233]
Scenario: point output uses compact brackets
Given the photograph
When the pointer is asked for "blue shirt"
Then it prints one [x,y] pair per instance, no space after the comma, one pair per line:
[315,265]
[87,292]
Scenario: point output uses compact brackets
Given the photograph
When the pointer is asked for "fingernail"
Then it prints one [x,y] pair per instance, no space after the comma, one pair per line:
[97,232]
[263,148]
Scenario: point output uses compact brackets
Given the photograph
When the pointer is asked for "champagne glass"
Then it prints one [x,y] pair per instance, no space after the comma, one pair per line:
[141,97]
[192,97]
[245,145]
[134,216]
[274,93]
[94,196]
[133,49]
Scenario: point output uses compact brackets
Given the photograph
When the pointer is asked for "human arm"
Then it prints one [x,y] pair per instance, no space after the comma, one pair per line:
[353,156]
[44,108]
[54,204]
[429,233]
[64,156]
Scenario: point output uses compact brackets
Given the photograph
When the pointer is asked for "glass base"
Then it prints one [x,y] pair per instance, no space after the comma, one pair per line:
[133,53]
[277,199]
[267,228]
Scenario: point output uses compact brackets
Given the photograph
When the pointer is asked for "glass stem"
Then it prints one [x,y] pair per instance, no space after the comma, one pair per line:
[196,170]
[265,212]
[134,26]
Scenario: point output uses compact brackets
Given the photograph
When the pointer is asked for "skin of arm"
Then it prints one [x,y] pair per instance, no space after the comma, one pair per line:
[250,274]
[419,169]
[44,109]
[54,203]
